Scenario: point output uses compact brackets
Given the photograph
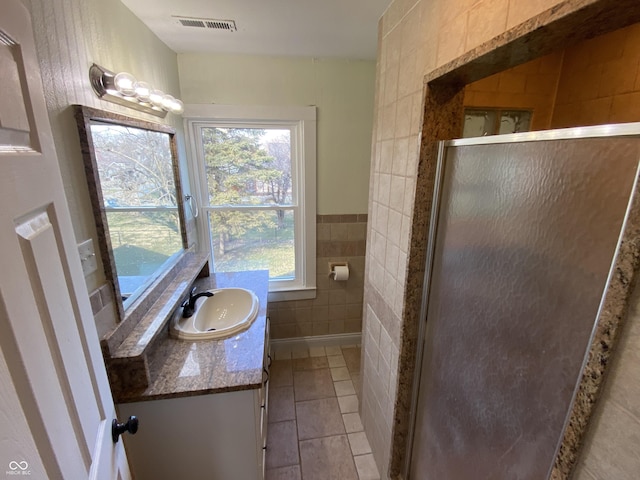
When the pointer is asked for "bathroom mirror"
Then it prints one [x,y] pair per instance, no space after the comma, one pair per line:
[134,184]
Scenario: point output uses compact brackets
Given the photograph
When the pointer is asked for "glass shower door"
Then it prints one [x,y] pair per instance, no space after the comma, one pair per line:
[525,236]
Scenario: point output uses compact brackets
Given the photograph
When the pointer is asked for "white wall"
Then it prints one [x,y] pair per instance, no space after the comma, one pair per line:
[341,89]
[70,36]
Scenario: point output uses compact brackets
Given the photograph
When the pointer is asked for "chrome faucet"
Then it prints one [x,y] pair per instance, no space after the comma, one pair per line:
[189,305]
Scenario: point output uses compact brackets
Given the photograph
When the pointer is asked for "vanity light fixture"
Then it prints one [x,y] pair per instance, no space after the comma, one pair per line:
[123,88]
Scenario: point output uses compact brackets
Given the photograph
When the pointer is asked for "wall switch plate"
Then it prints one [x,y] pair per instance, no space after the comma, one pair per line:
[87,257]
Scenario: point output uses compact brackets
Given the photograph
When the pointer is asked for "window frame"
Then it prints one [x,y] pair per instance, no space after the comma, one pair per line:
[302,123]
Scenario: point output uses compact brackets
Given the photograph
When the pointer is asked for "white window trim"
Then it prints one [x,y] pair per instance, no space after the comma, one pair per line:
[305,118]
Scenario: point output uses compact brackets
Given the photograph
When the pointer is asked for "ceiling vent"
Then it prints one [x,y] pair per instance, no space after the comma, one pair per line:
[208,23]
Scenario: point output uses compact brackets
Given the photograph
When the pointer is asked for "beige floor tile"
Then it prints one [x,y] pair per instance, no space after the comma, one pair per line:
[336,361]
[284,473]
[348,404]
[317,352]
[281,405]
[333,350]
[282,444]
[310,363]
[280,373]
[343,388]
[359,443]
[352,359]
[367,469]
[357,383]
[312,384]
[319,418]
[340,373]
[327,458]
[314,419]
[352,422]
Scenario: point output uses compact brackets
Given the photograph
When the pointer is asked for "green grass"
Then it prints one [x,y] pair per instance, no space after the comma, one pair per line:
[259,248]
[143,242]
[277,257]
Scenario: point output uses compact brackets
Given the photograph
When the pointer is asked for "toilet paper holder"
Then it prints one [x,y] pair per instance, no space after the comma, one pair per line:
[333,265]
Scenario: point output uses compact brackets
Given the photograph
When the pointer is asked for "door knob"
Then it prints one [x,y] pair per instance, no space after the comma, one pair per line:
[118,429]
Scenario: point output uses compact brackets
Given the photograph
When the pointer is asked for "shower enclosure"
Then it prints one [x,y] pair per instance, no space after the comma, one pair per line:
[524,231]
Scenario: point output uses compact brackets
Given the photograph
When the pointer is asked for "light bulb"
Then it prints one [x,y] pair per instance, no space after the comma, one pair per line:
[178,107]
[172,104]
[155,97]
[167,101]
[143,91]
[124,83]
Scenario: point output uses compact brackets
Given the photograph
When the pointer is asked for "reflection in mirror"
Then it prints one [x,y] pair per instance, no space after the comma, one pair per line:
[132,174]
[139,195]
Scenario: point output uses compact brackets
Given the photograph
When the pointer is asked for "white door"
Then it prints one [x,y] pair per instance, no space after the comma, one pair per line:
[56,408]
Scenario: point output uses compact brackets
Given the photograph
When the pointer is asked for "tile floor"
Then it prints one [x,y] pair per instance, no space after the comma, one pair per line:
[314,431]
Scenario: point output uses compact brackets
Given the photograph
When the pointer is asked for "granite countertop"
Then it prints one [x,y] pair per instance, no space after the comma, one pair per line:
[179,368]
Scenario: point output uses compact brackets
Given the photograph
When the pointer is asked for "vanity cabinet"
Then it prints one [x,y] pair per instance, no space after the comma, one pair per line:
[216,437]
[220,436]
[203,409]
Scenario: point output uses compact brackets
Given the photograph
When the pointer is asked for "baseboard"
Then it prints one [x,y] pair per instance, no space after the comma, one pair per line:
[316,341]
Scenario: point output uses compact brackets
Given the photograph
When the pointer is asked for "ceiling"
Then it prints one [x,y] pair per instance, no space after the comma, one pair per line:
[315,28]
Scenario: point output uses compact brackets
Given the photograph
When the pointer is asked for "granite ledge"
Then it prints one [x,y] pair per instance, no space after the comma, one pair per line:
[179,368]
[188,261]
[157,316]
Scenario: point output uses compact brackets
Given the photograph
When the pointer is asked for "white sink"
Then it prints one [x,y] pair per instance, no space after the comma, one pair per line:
[227,312]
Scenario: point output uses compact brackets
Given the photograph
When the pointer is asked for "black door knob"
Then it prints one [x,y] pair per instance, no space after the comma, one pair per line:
[118,429]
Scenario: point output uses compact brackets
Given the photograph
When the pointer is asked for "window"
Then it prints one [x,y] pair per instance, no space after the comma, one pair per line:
[479,122]
[255,169]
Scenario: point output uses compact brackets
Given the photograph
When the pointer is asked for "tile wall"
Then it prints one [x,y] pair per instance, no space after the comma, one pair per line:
[592,83]
[600,81]
[337,307]
[531,85]
[415,37]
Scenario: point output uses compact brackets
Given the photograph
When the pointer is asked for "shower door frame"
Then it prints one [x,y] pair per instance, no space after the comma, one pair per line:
[629,229]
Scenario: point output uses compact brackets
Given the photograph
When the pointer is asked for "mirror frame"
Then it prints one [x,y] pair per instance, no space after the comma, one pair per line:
[84,116]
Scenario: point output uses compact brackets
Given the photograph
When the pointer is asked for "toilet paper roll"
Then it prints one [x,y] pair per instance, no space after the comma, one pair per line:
[341,273]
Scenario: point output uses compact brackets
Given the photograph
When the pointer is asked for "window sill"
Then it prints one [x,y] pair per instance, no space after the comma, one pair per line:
[289,295]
